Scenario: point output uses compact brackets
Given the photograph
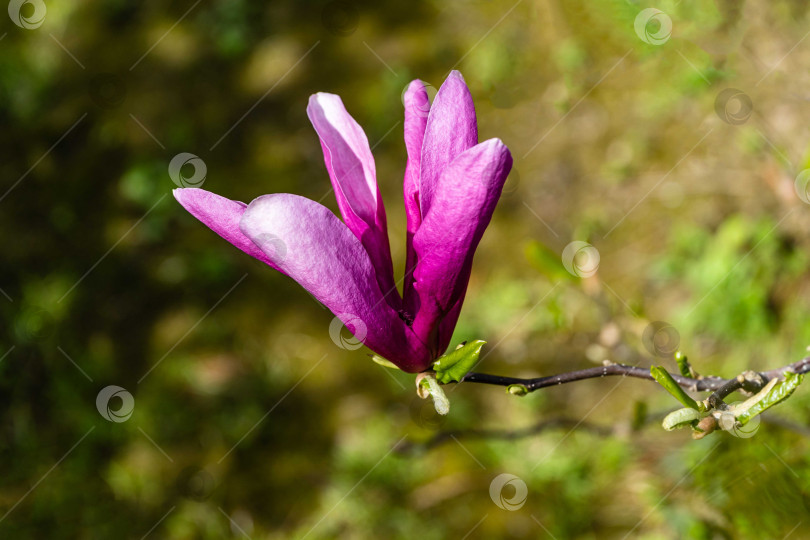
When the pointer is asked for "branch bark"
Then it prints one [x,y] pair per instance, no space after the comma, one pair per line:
[701,384]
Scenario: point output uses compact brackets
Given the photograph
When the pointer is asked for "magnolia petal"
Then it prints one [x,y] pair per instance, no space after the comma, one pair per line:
[445,244]
[222,216]
[311,245]
[451,129]
[351,168]
[448,324]
[417,108]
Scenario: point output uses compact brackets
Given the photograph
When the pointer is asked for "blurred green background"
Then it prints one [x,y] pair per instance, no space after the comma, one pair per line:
[248,420]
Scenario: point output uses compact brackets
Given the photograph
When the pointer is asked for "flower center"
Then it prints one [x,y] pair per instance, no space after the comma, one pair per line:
[406,317]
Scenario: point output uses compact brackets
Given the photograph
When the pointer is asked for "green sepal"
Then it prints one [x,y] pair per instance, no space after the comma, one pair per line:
[681,418]
[454,365]
[663,378]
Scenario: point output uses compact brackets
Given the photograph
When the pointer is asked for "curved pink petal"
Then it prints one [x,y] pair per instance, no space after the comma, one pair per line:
[351,168]
[311,245]
[445,244]
[451,129]
[448,324]
[222,216]
[417,108]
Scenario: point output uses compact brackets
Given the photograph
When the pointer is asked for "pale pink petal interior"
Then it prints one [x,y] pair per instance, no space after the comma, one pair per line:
[311,245]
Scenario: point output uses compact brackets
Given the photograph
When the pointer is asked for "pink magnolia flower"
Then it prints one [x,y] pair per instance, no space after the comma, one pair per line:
[452,184]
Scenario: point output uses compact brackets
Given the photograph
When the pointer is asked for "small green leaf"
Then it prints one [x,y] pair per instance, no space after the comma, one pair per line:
[683,364]
[663,378]
[455,364]
[680,418]
[773,393]
[383,362]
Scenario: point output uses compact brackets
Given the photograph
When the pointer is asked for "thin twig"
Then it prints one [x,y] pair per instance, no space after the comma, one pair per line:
[703,384]
[749,381]
[715,400]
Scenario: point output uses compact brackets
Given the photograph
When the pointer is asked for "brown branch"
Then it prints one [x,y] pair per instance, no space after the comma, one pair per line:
[701,384]
[749,381]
